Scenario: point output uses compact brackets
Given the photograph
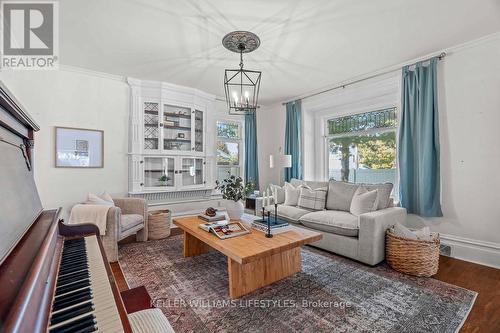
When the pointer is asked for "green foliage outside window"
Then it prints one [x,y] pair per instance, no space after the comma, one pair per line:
[375,150]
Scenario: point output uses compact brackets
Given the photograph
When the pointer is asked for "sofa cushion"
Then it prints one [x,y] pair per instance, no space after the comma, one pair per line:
[292,194]
[335,222]
[384,193]
[278,193]
[290,213]
[128,221]
[364,201]
[340,195]
[312,199]
[312,184]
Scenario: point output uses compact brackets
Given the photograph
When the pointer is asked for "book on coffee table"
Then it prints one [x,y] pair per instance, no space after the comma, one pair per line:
[274,223]
[274,231]
[229,230]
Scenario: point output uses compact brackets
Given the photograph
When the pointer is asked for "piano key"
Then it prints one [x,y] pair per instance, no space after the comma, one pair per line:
[73,272]
[82,258]
[72,286]
[73,269]
[78,323]
[66,314]
[73,278]
[64,303]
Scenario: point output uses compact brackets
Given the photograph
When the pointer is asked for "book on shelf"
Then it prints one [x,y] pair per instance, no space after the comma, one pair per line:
[229,230]
[217,217]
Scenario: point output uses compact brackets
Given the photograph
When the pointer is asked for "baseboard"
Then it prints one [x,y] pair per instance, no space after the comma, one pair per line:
[481,252]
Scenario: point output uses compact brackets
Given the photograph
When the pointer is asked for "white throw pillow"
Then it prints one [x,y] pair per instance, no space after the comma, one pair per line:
[292,194]
[279,191]
[364,201]
[312,199]
[105,199]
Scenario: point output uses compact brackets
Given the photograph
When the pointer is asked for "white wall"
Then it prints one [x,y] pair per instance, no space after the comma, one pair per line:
[66,98]
[469,111]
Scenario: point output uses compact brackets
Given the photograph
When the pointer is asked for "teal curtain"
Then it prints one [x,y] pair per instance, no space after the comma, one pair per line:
[293,139]
[420,187]
[251,161]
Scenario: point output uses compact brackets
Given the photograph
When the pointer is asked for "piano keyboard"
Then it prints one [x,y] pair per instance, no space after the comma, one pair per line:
[83,299]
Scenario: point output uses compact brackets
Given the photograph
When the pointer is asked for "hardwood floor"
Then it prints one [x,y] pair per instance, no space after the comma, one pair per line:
[485,314]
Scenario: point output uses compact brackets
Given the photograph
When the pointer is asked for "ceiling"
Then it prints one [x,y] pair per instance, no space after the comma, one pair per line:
[305,44]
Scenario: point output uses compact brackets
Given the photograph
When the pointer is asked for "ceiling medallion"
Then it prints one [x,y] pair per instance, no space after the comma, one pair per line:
[241,86]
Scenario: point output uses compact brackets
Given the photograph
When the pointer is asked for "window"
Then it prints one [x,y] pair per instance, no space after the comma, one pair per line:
[228,149]
[362,147]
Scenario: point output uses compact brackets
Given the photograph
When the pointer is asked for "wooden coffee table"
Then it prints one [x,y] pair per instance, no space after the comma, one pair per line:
[253,261]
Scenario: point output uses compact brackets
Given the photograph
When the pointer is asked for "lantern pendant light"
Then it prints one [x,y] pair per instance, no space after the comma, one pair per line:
[241,85]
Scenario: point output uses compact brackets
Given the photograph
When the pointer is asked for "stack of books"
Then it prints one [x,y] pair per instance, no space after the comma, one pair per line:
[277,226]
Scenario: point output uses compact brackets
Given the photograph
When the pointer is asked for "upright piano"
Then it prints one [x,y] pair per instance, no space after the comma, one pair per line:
[53,277]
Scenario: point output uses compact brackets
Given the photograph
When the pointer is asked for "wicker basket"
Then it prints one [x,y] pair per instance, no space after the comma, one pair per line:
[411,256]
[159,224]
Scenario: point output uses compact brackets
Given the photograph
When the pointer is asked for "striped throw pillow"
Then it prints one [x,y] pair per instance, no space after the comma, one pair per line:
[312,199]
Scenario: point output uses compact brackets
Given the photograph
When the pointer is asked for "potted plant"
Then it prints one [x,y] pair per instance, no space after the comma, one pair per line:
[163,180]
[233,191]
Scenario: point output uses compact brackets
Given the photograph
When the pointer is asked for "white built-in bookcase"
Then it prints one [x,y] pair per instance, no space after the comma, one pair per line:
[168,138]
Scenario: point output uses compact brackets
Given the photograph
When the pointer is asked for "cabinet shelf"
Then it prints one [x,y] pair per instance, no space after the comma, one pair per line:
[183,128]
[158,170]
[178,140]
[176,115]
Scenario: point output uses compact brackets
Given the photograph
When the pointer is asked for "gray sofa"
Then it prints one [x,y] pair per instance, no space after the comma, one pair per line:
[361,238]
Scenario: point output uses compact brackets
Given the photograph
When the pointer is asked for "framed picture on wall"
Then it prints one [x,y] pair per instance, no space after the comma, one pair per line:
[79,148]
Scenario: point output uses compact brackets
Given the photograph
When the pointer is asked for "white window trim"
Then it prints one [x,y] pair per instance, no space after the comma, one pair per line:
[241,142]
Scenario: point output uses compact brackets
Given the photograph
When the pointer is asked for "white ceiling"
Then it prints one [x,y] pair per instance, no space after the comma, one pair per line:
[305,44]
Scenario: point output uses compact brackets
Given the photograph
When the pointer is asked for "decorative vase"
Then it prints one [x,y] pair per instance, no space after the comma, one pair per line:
[234,209]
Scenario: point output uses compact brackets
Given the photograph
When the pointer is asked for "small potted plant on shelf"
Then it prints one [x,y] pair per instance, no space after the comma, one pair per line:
[233,191]
[163,180]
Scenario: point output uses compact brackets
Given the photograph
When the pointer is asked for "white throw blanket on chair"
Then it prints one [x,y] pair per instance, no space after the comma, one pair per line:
[95,214]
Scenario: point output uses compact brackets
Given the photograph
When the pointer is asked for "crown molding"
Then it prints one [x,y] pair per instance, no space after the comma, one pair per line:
[90,72]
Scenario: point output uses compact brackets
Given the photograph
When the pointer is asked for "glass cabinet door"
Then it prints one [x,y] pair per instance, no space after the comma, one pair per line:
[159,172]
[198,131]
[176,128]
[151,126]
[192,171]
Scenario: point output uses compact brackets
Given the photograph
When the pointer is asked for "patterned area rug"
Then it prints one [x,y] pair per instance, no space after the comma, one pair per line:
[331,294]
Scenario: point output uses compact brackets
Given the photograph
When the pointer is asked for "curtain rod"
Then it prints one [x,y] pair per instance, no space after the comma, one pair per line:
[440,57]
